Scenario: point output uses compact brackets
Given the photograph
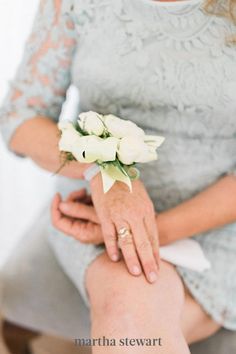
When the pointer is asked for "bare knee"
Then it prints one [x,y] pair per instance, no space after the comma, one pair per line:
[115,293]
[111,288]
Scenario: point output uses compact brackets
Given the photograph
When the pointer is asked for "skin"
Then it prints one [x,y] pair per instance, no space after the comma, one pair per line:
[135,211]
[116,209]
[128,305]
[215,206]
[76,216]
[30,140]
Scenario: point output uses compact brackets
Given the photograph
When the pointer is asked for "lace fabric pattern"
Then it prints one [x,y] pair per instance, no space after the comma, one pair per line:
[171,70]
[43,76]
[168,68]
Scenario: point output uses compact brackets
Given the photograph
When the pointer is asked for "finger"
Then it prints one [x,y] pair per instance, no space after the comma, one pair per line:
[69,226]
[58,219]
[86,232]
[55,212]
[110,239]
[144,251]
[127,247]
[88,200]
[92,234]
[79,210]
[152,230]
[79,194]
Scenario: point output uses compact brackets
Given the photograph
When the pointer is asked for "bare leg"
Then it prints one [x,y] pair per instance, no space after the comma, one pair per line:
[126,306]
[196,323]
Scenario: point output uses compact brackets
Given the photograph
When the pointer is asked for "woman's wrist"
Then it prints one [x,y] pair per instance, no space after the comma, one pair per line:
[38,139]
[91,171]
[96,185]
[163,227]
[170,227]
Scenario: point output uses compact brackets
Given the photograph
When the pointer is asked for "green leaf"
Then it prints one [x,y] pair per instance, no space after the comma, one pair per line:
[81,131]
[66,157]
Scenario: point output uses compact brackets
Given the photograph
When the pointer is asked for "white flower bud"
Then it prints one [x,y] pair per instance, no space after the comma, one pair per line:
[138,149]
[121,128]
[92,148]
[130,147]
[69,136]
[91,122]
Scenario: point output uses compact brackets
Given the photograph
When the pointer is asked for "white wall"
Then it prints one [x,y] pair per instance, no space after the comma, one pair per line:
[23,187]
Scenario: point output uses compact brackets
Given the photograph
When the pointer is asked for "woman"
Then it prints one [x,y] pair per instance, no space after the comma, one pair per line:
[168,67]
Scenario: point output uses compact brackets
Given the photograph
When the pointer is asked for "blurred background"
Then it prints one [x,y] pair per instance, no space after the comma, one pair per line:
[24,188]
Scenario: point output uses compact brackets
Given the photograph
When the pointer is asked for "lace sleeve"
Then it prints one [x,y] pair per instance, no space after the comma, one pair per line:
[42,79]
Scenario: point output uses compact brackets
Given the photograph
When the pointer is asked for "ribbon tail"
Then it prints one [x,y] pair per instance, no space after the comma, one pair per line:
[111,174]
[107,180]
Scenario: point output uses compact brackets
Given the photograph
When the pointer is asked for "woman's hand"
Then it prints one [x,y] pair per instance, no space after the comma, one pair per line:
[76,217]
[121,209]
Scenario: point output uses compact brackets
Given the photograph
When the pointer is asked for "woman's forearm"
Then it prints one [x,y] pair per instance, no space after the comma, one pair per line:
[38,139]
[212,208]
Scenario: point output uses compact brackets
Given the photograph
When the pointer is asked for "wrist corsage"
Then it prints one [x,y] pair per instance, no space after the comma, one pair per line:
[114,144]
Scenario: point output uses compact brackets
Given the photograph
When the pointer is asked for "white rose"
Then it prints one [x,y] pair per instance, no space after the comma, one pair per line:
[138,149]
[121,128]
[92,148]
[149,151]
[130,148]
[91,122]
[69,136]
[110,146]
[154,140]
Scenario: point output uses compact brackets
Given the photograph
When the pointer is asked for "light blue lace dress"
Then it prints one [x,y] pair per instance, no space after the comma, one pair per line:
[168,68]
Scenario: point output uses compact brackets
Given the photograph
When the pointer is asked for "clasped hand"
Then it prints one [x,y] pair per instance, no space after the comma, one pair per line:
[98,219]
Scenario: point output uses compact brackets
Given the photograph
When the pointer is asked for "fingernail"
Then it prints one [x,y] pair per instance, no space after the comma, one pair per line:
[64,206]
[115,257]
[152,277]
[136,270]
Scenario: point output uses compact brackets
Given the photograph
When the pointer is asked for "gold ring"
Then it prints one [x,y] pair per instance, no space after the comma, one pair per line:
[124,232]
